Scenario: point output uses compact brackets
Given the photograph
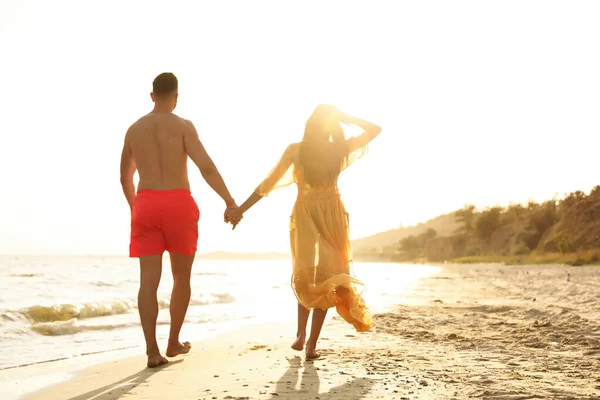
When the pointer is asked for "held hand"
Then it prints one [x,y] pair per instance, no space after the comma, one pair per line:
[228,210]
[233,215]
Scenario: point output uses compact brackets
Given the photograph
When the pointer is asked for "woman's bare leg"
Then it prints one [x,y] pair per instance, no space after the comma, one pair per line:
[315,331]
[303,314]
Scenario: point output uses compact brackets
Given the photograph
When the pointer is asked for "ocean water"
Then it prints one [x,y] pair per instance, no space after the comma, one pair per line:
[55,307]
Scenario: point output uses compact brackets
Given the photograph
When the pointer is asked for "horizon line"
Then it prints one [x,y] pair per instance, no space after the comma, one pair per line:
[223,252]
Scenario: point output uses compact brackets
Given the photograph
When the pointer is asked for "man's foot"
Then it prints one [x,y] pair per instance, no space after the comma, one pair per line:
[298,345]
[311,351]
[155,360]
[176,349]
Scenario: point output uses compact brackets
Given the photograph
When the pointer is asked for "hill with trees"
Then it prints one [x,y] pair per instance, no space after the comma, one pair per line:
[557,230]
[385,244]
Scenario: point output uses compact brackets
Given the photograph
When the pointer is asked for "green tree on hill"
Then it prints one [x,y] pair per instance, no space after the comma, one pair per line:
[466,217]
[513,213]
[488,222]
[428,234]
[409,243]
[572,199]
[541,218]
[417,242]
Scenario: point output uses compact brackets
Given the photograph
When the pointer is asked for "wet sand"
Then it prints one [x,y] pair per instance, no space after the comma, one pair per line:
[488,332]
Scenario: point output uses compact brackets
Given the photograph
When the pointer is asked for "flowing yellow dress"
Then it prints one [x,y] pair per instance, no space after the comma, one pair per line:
[320,243]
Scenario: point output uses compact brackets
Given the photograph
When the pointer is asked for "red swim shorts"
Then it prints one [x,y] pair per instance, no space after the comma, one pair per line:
[164,220]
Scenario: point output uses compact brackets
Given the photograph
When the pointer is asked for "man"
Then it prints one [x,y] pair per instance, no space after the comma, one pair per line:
[164,216]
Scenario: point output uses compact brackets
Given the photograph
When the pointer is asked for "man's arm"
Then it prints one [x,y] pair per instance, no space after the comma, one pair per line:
[127,170]
[208,169]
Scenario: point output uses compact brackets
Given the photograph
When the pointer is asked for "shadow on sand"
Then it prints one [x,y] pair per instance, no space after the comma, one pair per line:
[117,389]
[288,389]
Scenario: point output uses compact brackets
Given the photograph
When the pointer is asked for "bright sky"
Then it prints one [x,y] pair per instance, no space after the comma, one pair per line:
[480,102]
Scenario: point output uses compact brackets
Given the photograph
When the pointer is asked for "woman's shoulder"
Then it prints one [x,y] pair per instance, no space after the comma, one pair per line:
[293,148]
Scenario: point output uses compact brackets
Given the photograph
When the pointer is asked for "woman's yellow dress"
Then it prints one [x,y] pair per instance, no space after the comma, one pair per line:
[320,243]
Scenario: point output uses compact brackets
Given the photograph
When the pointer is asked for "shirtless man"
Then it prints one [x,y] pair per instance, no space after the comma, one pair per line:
[164,216]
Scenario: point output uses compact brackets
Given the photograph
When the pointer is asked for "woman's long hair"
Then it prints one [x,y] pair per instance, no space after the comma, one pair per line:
[323,152]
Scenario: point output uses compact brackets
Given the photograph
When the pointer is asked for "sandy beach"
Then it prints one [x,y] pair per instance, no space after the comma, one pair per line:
[477,331]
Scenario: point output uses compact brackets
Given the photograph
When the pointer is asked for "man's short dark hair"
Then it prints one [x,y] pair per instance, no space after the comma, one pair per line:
[165,83]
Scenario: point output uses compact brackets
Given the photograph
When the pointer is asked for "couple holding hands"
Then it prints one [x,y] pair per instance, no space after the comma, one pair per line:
[164,216]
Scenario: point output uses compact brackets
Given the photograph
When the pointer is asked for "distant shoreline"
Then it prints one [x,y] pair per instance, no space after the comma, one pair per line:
[576,259]
[571,259]
[216,255]
[223,255]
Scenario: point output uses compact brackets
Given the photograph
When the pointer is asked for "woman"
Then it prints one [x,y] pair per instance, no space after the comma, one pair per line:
[319,235]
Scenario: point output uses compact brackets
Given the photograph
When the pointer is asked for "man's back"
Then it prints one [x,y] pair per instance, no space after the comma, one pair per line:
[158,148]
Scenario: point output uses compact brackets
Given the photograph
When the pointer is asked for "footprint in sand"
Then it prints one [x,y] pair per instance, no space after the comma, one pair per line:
[258,347]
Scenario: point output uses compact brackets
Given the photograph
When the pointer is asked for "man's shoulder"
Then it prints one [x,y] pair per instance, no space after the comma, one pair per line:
[176,118]
[188,122]
[147,117]
[155,119]
[141,121]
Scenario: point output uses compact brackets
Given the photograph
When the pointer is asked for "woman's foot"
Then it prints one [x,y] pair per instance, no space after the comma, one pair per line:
[311,351]
[175,349]
[298,345]
[155,360]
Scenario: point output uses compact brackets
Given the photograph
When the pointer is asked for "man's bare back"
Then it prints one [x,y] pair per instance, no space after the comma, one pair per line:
[157,142]
[157,146]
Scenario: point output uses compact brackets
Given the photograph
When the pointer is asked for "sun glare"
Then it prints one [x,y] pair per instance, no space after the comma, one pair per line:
[249,81]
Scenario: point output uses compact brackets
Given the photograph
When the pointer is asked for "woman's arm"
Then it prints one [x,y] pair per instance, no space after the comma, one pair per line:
[268,184]
[250,201]
[274,179]
[371,131]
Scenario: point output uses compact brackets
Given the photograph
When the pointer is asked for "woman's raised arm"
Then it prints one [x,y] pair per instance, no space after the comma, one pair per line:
[371,131]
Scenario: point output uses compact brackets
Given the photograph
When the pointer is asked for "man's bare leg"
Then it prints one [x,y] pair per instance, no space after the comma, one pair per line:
[150,271]
[181,267]
[303,314]
[315,331]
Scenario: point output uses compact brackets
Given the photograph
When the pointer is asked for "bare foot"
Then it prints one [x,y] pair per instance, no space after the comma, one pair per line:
[178,348]
[298,345]
[311,352]
[155,360]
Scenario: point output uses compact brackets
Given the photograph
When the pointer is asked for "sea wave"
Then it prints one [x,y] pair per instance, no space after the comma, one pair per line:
[73,326]
[67,312]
